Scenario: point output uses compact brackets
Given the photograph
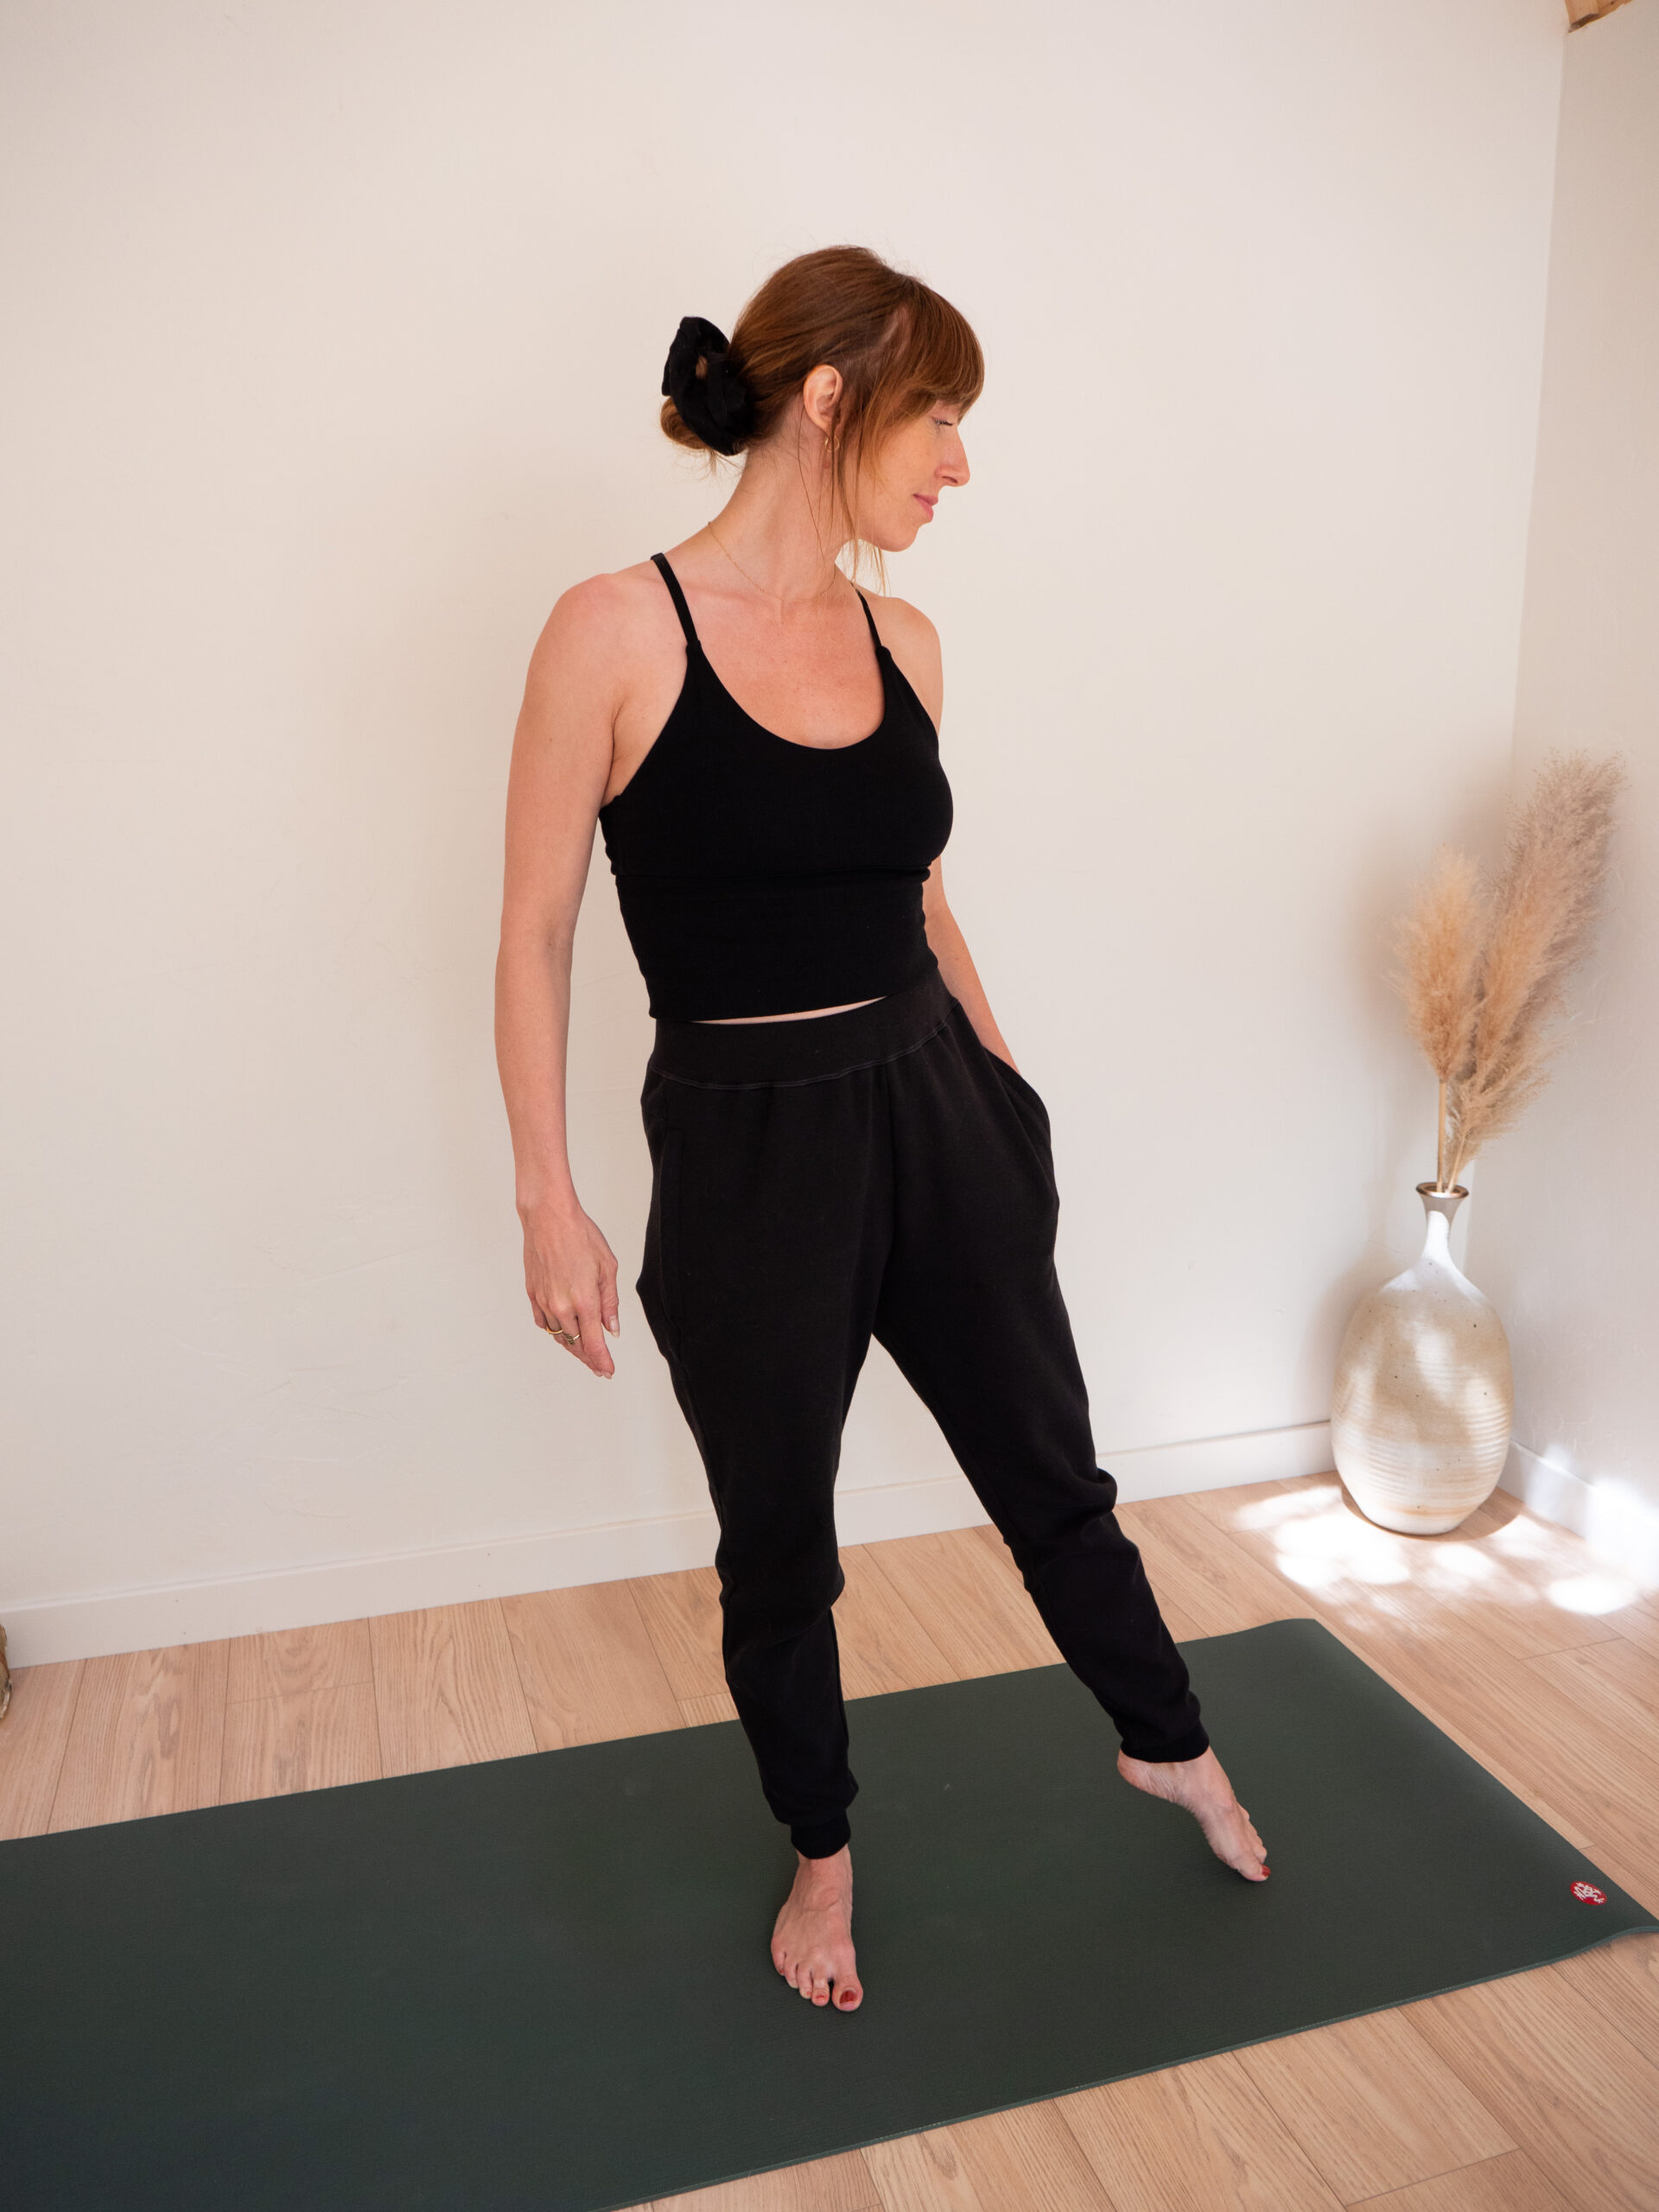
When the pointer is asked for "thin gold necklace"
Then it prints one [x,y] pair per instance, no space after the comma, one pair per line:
[748,578]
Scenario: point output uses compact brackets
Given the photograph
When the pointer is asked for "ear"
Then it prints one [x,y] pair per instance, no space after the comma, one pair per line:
[821,396]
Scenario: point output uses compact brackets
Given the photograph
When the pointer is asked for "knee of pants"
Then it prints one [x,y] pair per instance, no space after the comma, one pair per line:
[1058,1510]
[767,1597]
[1079,1533]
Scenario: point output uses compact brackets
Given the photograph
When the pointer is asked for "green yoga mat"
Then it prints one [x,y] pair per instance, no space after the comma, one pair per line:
[541,1984]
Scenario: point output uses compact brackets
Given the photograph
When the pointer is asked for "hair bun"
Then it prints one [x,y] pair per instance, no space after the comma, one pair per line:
[698,377]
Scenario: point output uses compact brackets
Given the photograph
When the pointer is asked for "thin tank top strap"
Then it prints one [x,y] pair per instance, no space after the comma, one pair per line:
[875,635]
[678,598]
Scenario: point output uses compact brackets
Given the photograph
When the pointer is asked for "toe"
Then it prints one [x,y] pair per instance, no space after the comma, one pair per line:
[848,1997]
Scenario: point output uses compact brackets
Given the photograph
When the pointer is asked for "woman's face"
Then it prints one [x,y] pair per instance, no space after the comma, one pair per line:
[898,493]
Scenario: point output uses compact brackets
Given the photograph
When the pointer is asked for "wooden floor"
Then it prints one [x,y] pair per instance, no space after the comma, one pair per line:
[1535,2092]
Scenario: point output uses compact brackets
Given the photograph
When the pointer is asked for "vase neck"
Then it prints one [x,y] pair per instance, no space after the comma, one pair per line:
[1438,1208]
[1444,1203]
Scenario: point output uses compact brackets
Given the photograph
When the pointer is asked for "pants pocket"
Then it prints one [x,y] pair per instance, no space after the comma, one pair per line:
[1026,1097]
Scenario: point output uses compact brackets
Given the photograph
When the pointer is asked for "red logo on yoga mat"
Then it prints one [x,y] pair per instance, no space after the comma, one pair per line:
[1588,1893]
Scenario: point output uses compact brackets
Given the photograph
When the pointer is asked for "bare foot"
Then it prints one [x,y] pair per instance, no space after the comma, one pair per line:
[813,1941]
[1201,1785]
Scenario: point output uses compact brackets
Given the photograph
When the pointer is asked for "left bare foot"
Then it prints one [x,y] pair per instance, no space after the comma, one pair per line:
[1201,1786]
[813,1941]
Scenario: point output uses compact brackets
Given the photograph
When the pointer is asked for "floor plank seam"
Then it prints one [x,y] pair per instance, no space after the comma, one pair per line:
[63,1749]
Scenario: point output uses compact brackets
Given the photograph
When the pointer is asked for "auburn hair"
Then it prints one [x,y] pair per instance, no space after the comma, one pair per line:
[900,349]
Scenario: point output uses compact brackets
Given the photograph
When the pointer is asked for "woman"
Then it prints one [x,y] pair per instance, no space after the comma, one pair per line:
[840,1144]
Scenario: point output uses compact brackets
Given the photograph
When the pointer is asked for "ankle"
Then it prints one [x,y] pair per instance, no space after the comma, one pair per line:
[831,1873]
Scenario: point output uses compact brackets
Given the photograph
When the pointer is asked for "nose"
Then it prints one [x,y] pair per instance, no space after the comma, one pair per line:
[953,469]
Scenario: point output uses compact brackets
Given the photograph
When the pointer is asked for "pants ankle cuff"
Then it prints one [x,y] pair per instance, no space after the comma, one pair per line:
[1192,1745]
[824,1839]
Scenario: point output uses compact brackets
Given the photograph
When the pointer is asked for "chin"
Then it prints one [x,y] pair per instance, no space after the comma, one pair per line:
[899,540]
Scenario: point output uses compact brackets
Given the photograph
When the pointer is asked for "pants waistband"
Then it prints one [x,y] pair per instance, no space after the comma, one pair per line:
[805,1049]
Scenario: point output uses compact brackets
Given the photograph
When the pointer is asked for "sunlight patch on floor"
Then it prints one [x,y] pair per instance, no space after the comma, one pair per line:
[1342,1547]
[1269,1512]
[1321,1544]
[1524,1538]
[1592,1593]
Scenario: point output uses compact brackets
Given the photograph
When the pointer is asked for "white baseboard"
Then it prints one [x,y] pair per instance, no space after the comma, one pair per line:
[1265,1455]
[1620,1526]
[193,1612]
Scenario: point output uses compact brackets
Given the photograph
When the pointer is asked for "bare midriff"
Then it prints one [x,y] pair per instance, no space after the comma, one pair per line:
[807,1014]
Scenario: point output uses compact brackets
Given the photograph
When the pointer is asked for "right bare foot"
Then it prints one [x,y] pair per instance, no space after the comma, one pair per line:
[813,1941]
[1201,1786]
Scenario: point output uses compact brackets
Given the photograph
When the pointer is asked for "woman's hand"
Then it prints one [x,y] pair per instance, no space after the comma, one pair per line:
[570,1276]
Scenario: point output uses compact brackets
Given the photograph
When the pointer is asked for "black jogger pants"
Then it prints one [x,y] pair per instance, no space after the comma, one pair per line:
[878,1172]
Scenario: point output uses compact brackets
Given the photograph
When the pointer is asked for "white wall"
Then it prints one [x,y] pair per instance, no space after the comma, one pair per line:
[1568,1224]
[337,335]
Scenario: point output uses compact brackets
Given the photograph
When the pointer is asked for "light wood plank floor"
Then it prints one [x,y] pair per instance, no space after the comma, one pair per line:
[1530,2093]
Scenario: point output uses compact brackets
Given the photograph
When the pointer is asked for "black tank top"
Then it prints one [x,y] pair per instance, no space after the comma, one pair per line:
[756,876]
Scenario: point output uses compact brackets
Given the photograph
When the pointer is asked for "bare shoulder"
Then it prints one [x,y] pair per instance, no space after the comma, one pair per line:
[914,643]
[901,623]
[599,628]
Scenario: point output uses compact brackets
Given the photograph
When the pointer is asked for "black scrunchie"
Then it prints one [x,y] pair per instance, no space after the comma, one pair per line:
[716,404]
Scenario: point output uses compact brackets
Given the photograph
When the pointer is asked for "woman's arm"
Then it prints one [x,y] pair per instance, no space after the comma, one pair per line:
[956,965]
[561,762]
[914,643]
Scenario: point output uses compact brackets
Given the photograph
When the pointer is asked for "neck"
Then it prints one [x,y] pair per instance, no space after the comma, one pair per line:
[779,534]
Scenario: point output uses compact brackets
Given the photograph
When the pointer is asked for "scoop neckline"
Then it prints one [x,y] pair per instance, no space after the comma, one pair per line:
[797,743]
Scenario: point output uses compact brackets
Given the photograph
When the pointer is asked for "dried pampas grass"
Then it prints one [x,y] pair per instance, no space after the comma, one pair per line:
[1483,967]
[1439,946]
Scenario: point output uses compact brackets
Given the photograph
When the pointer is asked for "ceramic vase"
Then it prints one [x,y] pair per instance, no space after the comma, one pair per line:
[1424,1396]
